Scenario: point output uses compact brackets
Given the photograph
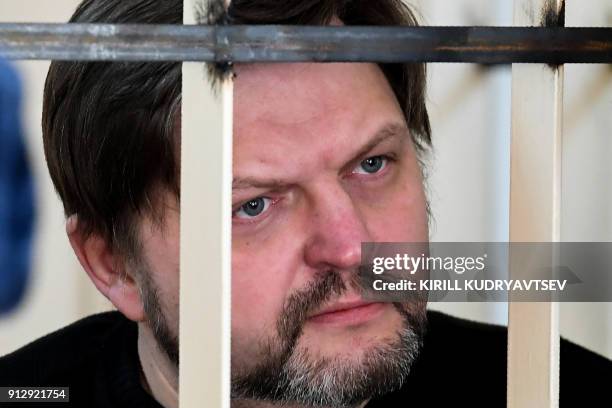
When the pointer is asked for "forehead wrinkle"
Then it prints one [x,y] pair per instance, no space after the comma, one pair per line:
[388,131]
[290,84]
[272,158]
[292,134]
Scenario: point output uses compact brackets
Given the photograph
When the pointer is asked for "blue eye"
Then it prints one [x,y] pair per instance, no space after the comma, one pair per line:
[253,208]
[371,165]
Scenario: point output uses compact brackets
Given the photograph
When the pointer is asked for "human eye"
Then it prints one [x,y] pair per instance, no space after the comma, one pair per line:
[253,208]
[371,165]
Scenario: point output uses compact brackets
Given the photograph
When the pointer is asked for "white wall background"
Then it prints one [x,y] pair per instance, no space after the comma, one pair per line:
[470,112]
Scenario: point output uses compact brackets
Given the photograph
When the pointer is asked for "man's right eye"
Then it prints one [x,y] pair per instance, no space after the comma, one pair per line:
[253,208]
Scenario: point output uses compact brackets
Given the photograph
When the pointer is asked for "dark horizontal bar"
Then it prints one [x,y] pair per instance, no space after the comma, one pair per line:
[486,45]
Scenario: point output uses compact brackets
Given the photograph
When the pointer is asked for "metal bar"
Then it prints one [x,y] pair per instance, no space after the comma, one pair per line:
[535,215]
[205,241]
[487,45]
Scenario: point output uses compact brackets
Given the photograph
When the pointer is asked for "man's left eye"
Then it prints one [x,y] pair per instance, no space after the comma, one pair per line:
[371,165]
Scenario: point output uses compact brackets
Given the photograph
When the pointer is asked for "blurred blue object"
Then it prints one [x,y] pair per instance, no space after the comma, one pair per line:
[16,195]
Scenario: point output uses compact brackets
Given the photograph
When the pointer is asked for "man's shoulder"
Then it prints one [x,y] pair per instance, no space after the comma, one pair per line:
[485,347]
[64,356]
[459,350]
[464,361]
[448,332]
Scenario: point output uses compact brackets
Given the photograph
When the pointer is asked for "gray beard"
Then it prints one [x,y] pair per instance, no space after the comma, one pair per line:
[329,383]
[167,342]
[288,375]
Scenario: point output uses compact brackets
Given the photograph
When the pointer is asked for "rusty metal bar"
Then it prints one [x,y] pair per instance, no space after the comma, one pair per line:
[486,45]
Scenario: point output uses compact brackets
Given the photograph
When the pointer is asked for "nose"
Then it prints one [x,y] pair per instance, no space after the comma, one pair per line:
[337,229]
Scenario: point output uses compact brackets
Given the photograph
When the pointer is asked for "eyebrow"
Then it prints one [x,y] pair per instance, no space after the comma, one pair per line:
[389,131]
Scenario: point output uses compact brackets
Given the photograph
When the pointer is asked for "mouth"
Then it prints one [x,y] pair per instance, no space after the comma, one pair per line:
[348,312]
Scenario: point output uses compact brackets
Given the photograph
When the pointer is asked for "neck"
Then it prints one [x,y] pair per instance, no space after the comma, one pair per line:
[160,374]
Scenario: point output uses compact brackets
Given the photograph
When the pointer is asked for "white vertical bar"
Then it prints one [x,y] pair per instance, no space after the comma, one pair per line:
[205,247]
[535,197]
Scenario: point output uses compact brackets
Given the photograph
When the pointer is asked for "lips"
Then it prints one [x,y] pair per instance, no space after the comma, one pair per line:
[348,312]
[341,306]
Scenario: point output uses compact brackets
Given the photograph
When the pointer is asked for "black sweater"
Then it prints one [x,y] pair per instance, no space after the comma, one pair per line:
[462,363]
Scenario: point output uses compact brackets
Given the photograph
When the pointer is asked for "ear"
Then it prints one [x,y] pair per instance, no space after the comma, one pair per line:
[106,270]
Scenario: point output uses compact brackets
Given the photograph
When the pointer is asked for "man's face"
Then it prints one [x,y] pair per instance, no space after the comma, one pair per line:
[323,161]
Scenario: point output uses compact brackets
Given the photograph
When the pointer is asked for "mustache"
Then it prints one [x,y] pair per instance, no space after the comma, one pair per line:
[304,302]
[329,285]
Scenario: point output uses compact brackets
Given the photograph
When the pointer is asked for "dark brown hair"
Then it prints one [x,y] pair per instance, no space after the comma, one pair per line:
[109,128]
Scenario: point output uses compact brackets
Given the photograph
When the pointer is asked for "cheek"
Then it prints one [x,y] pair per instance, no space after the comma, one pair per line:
[262,275]
[402,214]
[407,221]
[165,265]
